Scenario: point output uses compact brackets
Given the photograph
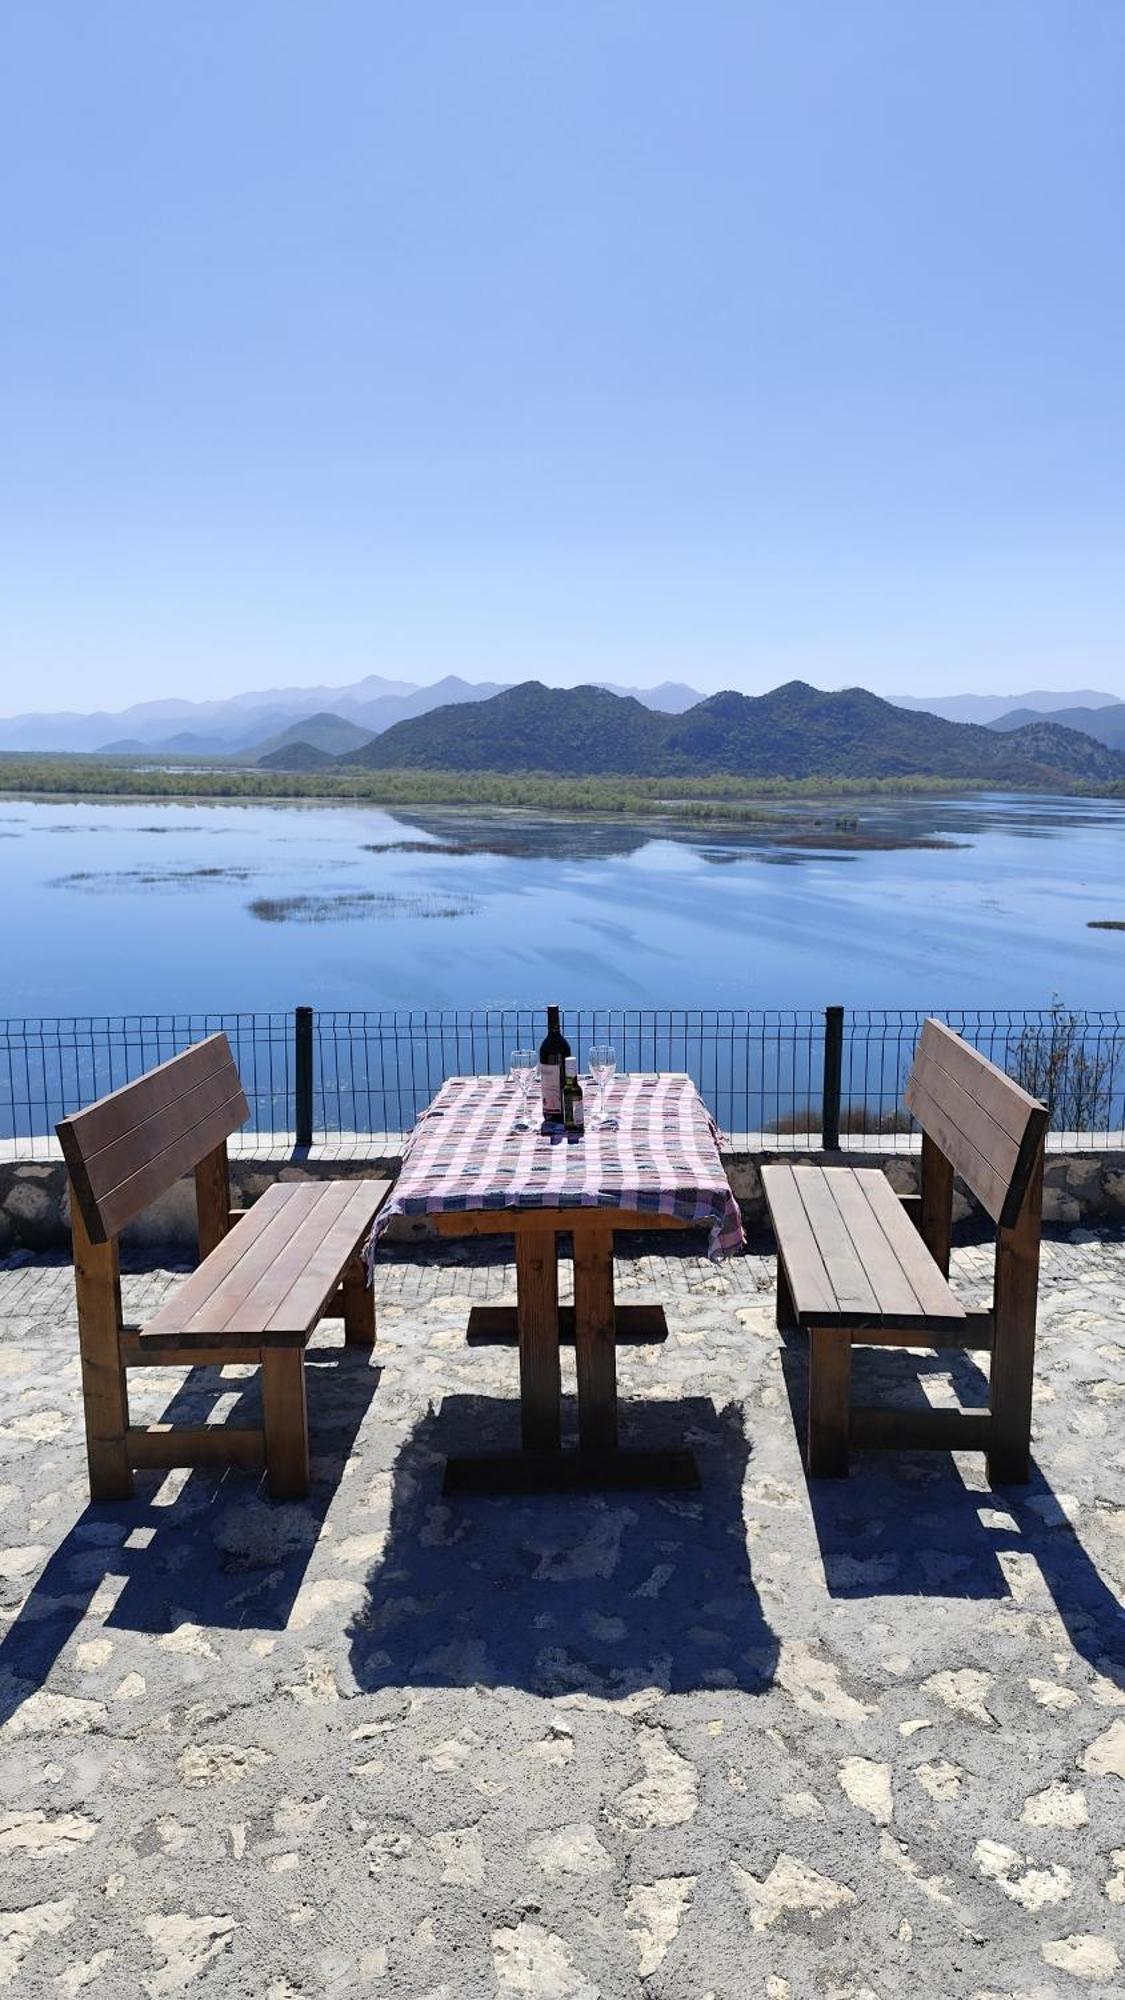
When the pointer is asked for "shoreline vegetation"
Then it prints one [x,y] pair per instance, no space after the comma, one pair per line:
[708,800]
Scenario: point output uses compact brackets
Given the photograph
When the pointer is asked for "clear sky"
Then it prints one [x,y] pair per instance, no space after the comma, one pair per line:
[716,340]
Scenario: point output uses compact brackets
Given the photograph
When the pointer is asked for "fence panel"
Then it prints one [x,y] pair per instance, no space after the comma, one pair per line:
[50,1068]
[762,1073]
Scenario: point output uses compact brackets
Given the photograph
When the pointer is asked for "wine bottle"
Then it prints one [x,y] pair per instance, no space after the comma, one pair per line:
[553,1052]
[574,1109]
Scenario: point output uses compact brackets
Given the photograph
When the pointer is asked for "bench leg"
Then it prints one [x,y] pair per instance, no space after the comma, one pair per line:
[359,1305]
[830,1380]
[1011,1378]
[286,1423]
[786,1315]
[104,1395]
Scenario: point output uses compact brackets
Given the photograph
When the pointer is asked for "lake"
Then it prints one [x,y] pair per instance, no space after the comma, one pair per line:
[157,907]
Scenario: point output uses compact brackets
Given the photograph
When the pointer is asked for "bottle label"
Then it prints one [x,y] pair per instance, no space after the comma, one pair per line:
[577,1114]
[550,1082]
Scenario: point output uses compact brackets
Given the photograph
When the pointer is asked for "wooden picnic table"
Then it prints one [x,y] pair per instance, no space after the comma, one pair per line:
[467,1168]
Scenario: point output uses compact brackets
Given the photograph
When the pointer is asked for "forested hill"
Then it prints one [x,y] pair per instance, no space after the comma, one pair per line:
[794,732]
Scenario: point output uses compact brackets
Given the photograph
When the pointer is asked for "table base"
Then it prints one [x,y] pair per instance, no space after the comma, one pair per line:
[634,1326]
[577,1471]
[595,1324]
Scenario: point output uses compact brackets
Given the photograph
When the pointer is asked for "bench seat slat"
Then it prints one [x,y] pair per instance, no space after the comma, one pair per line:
[930,1288]
[845,1263]
[269,1278]
[290,1211]
[797,1245]
[250,1239]
[291,1297]
[877,1242]
[833,1223]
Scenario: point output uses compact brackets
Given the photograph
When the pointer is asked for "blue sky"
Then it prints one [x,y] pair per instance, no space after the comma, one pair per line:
[719,341]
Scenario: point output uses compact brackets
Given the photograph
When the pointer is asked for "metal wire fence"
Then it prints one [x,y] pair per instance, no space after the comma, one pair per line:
[782,1076]
[52,1067]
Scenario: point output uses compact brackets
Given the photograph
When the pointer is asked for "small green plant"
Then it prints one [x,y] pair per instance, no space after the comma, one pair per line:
[1052,1062]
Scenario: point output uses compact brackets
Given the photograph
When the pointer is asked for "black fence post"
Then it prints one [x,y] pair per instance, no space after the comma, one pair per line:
[833,1077]
[303,1076]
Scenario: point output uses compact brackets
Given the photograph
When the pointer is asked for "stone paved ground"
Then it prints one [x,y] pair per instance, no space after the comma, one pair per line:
[745,1743]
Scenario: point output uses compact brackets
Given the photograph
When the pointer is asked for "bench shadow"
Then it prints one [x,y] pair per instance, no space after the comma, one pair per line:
[212,1550]
[904,1523]
[600,1594]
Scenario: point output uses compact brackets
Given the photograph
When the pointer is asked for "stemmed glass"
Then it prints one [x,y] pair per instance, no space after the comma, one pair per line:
[603,1065]
[523,1069]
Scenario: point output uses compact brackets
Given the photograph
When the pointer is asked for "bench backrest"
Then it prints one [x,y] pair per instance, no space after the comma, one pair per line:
[129,1148]
[989,1129]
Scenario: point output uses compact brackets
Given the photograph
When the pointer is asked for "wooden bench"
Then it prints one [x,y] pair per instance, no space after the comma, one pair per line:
[267,1274]
[855,1264]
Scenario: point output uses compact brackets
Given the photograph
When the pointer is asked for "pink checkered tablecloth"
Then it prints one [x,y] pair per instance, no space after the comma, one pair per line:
[663,1159]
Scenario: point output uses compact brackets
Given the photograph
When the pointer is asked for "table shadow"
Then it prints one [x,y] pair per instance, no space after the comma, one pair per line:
[600,1594]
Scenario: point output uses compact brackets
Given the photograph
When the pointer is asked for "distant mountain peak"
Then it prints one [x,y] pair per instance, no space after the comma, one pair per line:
[795,731]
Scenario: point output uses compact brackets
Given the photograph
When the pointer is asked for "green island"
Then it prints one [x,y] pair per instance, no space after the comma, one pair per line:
[714,798]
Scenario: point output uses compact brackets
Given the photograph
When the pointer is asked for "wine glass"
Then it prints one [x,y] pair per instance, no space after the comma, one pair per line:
[603,1065]
[523,1069]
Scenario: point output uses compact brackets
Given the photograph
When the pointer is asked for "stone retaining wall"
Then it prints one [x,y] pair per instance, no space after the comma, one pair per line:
[1082,1190]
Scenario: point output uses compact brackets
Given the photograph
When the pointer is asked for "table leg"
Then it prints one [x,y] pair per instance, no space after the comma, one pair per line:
[595,1338]
[537,1291]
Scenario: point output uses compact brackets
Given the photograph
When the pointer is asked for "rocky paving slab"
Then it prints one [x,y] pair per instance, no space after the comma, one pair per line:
[755,1741]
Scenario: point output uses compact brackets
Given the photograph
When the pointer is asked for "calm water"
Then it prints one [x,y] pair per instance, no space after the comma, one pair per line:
[129,908]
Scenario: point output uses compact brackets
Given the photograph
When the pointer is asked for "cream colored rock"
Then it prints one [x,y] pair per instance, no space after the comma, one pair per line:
[16,1563]
[941,1781]
[791,1888]
[20,1929]
[868,1786]
[45,1833]
[329,1593]
[963,1691]
[654,1912]
[1115,1886]
[570,1850]
[218,1763]
[188,1638]
[1033,1888]
[360,1548]
[533,1962]
[92,1654]
[1083,1956]
[1050,1695]
[1105,1756]
[184,1946]
[556,1747]
[84,1972]
[68,1714]
[813,1684]
[1057,1805]
[667,1795]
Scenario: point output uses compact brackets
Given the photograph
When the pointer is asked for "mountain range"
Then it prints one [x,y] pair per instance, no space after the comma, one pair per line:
[257,723]
[1106,724]
[796,731]
[988,708]
[254,724]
